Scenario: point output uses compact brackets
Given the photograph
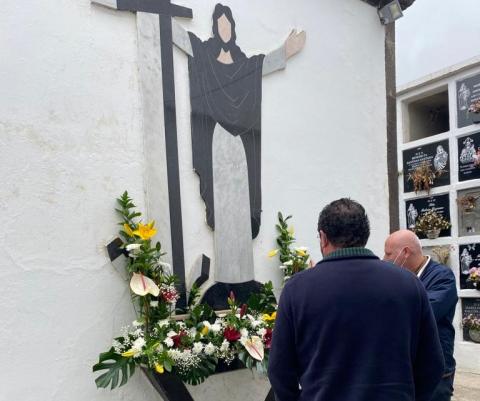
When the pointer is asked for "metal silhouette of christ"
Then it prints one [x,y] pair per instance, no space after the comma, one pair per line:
[226,97]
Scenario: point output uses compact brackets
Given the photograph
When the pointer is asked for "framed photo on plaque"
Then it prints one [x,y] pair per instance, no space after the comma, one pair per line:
[435,154]
[468,91]
[469,157]
[470,306]
[469,256]
[416,207]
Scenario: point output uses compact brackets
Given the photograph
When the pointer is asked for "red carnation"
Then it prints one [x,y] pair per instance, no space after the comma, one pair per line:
[267,338]
[231,334]
[177,339]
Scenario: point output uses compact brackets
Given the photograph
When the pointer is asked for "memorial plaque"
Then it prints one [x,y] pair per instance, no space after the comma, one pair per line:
[469,256]
[469,157]
[435,154]
[470,306]
[468,204]
[416,207]
[468,91]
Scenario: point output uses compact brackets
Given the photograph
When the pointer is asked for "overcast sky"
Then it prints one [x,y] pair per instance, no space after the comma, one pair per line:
[434,34]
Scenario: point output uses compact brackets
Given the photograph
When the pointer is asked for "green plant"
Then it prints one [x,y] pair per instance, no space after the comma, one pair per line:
[292,259]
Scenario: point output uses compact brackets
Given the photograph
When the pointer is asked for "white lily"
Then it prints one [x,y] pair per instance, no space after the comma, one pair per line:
[142,285]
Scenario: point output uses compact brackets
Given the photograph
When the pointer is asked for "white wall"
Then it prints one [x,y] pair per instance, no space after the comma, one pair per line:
[72,141]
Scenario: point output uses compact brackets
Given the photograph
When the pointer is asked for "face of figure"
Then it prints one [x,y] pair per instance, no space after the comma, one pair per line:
[224,28]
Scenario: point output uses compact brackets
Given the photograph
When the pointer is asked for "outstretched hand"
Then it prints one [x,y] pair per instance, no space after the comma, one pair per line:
[295,42]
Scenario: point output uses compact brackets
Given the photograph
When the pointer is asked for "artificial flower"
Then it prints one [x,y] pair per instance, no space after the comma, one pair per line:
[142,285]
[272,253]
[255,348]
[145,231]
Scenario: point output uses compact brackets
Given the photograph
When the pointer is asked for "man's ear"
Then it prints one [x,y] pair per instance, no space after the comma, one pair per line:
[323,239]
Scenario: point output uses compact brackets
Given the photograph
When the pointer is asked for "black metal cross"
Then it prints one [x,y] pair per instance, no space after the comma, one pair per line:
[166,10]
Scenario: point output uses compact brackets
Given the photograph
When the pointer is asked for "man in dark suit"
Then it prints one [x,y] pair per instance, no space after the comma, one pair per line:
[404,249]
[353,328]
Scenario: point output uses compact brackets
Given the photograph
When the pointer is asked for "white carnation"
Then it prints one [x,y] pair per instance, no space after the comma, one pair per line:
[215,327]
[197,347]
[138,344]
[210,349]
[261,332]
[225,345]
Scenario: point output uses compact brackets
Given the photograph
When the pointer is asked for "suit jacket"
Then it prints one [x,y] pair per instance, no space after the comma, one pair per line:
[439,282]
[355,328]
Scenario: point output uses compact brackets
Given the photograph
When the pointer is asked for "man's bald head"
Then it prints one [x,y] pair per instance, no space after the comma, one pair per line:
[404,249]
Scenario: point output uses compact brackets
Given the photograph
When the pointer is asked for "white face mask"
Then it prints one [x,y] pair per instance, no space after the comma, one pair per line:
[404,260]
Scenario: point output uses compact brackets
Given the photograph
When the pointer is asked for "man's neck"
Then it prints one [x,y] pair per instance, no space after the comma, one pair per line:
[421,262]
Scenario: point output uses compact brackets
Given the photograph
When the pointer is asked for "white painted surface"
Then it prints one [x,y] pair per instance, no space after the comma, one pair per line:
[467,354]
[71,124]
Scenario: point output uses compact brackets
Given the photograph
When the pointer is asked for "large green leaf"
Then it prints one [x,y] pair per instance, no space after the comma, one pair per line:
[114,364]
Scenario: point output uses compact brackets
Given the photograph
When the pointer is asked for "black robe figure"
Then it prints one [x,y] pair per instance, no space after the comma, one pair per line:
[226,97]
[229,95]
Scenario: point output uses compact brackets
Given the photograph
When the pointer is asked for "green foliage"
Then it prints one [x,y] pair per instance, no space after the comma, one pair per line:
[115,366]
[264,301]
[293,260]
[198,374]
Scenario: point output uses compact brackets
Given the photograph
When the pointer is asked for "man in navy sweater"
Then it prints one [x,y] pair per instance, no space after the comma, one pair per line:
[353,328]
[404,249]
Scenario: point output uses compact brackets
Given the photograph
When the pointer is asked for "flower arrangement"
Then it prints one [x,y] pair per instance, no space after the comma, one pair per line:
[471,322]
[423,177]
[442,253]
[293,260]
[190,346]
[474,107]
[429,222]
[474,277]
[467,202]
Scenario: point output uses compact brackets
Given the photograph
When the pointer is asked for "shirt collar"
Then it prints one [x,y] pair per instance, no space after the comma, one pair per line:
[419,274]
[349,253]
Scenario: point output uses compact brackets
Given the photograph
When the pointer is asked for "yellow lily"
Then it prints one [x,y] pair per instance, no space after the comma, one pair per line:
[142,285]
[129,353]
[145,231]
[205,330]
[272,253]
[128,230]
[268,318]
[159,368]
[301,252]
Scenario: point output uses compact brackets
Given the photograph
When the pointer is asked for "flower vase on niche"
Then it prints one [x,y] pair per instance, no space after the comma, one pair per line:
[433,234]
[474,335]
